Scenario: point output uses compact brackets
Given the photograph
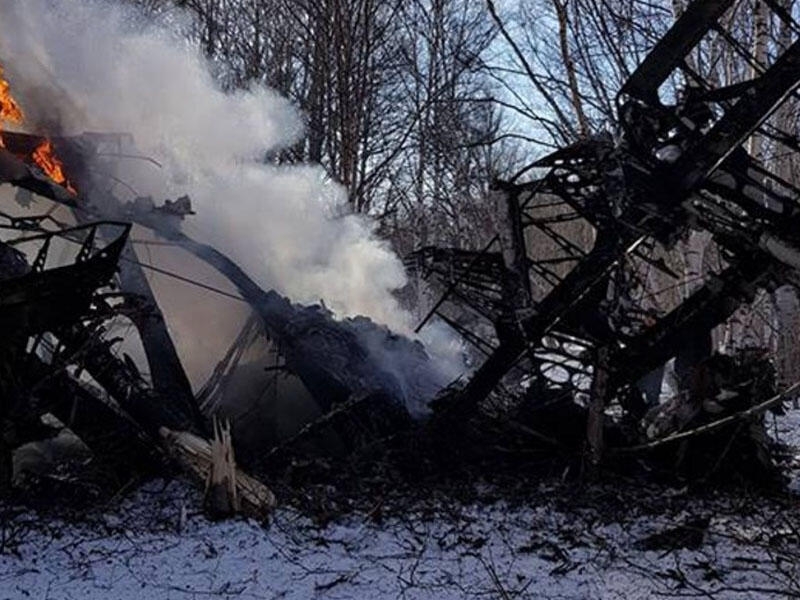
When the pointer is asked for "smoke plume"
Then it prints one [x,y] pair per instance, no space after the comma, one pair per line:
[94,66]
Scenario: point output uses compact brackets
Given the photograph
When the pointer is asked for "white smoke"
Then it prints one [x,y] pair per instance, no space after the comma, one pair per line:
[93,66]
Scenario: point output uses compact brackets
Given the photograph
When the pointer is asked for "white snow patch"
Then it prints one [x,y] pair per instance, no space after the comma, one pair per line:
[494,552]
[750,550]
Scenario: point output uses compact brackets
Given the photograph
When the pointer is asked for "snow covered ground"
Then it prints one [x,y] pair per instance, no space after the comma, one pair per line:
[559,547]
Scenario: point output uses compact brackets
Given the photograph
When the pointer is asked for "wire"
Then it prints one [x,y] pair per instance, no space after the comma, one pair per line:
[174,275]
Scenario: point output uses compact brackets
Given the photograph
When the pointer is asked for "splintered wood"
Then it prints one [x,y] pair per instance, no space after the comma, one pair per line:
[221,498]
[228,490]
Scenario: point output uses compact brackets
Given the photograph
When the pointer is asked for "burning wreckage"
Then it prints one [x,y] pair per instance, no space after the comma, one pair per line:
[559,301]
[57,357]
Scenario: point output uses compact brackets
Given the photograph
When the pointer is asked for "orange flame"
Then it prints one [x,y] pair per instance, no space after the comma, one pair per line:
[9,109]
[50,164]
[43,155]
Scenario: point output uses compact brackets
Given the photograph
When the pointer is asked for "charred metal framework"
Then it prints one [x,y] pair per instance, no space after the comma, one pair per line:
[52,319]
[562,283]
[57,356]
[557,301]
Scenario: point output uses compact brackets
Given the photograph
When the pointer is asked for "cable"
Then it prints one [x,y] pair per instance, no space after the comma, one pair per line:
[205,286]
[172,274]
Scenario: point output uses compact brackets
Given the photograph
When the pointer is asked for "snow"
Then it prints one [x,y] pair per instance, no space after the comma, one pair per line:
[560,546]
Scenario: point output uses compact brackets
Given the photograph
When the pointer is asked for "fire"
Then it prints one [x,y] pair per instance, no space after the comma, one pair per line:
[10,111]
[50,164]
[43,155]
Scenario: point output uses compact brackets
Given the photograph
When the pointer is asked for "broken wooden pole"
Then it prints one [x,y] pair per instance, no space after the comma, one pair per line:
[221,499]
[212,464]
